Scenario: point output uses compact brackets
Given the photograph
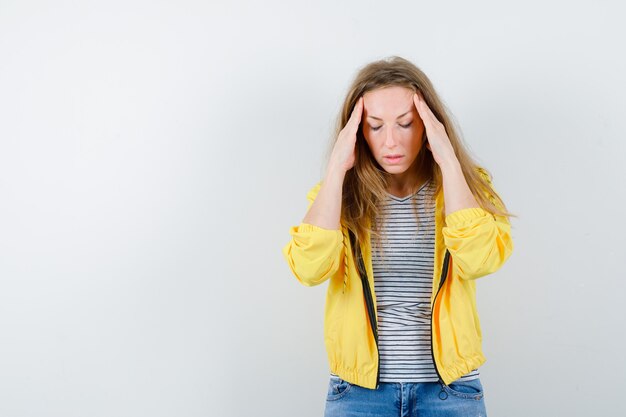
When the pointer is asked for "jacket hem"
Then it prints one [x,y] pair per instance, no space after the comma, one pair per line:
[457,369]
[355,377]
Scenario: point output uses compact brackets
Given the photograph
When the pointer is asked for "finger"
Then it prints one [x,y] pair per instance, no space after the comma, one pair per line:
[359,108]
[416,101]
[428,113]
[357,111]
[424,115]
[420,105]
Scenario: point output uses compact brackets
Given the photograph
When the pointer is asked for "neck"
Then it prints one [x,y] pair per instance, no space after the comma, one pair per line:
[405,185]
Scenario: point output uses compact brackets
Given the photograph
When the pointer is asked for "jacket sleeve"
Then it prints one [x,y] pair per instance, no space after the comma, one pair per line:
[314,254]
[479,242]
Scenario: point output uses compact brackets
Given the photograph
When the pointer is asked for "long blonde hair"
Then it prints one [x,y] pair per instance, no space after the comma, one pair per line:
[365,185]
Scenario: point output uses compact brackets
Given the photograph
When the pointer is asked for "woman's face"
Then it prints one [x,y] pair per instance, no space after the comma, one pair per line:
[392,127]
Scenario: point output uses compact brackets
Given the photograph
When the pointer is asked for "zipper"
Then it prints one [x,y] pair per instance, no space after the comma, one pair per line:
[369,301]
[444,274]
[370,304]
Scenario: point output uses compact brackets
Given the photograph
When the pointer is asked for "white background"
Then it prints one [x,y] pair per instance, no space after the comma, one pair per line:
[153,155]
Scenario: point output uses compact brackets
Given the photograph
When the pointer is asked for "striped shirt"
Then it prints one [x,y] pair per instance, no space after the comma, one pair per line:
[403,264]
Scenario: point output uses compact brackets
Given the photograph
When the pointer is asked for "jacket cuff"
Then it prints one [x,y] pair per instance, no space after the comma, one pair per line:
[307,227]
[459,218]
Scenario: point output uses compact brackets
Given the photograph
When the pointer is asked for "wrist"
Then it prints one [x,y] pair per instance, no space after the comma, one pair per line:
[450,165]
[334,172]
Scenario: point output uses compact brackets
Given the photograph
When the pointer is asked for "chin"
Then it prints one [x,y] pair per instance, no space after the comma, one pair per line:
[395,169]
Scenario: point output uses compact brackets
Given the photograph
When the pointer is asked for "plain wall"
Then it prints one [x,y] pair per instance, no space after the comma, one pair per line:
[153,155]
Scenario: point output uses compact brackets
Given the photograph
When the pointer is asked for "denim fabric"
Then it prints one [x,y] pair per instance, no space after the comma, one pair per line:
[405,399]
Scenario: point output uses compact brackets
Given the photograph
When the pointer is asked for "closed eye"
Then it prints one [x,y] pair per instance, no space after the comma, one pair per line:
[406,126]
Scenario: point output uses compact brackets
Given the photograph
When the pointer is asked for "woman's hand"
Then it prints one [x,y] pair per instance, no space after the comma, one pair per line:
[438,141]
[456,192]
[344,155]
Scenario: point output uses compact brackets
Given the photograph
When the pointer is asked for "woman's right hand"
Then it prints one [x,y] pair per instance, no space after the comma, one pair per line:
[344,152]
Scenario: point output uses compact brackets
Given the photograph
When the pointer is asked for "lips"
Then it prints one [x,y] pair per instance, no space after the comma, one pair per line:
[393,158]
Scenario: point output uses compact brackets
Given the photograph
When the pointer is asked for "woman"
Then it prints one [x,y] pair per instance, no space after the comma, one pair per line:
[401,225]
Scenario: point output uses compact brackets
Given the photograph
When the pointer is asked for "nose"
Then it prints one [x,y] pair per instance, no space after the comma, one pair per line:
[390,140]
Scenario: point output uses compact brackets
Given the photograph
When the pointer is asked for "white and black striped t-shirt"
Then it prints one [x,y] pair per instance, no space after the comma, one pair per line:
[403,278]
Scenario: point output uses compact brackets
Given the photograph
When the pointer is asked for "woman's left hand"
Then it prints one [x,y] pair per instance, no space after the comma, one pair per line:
[437,138]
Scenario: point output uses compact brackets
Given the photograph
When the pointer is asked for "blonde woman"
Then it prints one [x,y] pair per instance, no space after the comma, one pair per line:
[401,225]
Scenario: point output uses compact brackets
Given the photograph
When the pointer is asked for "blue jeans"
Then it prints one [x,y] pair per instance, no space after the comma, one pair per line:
[405,399]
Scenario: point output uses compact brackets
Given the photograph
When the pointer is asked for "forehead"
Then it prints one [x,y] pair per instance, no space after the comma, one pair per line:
[388,102]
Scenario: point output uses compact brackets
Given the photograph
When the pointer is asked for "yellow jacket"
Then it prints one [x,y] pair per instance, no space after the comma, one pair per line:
[472,243]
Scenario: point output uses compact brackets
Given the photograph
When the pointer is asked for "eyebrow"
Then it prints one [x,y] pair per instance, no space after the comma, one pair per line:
[378,118]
